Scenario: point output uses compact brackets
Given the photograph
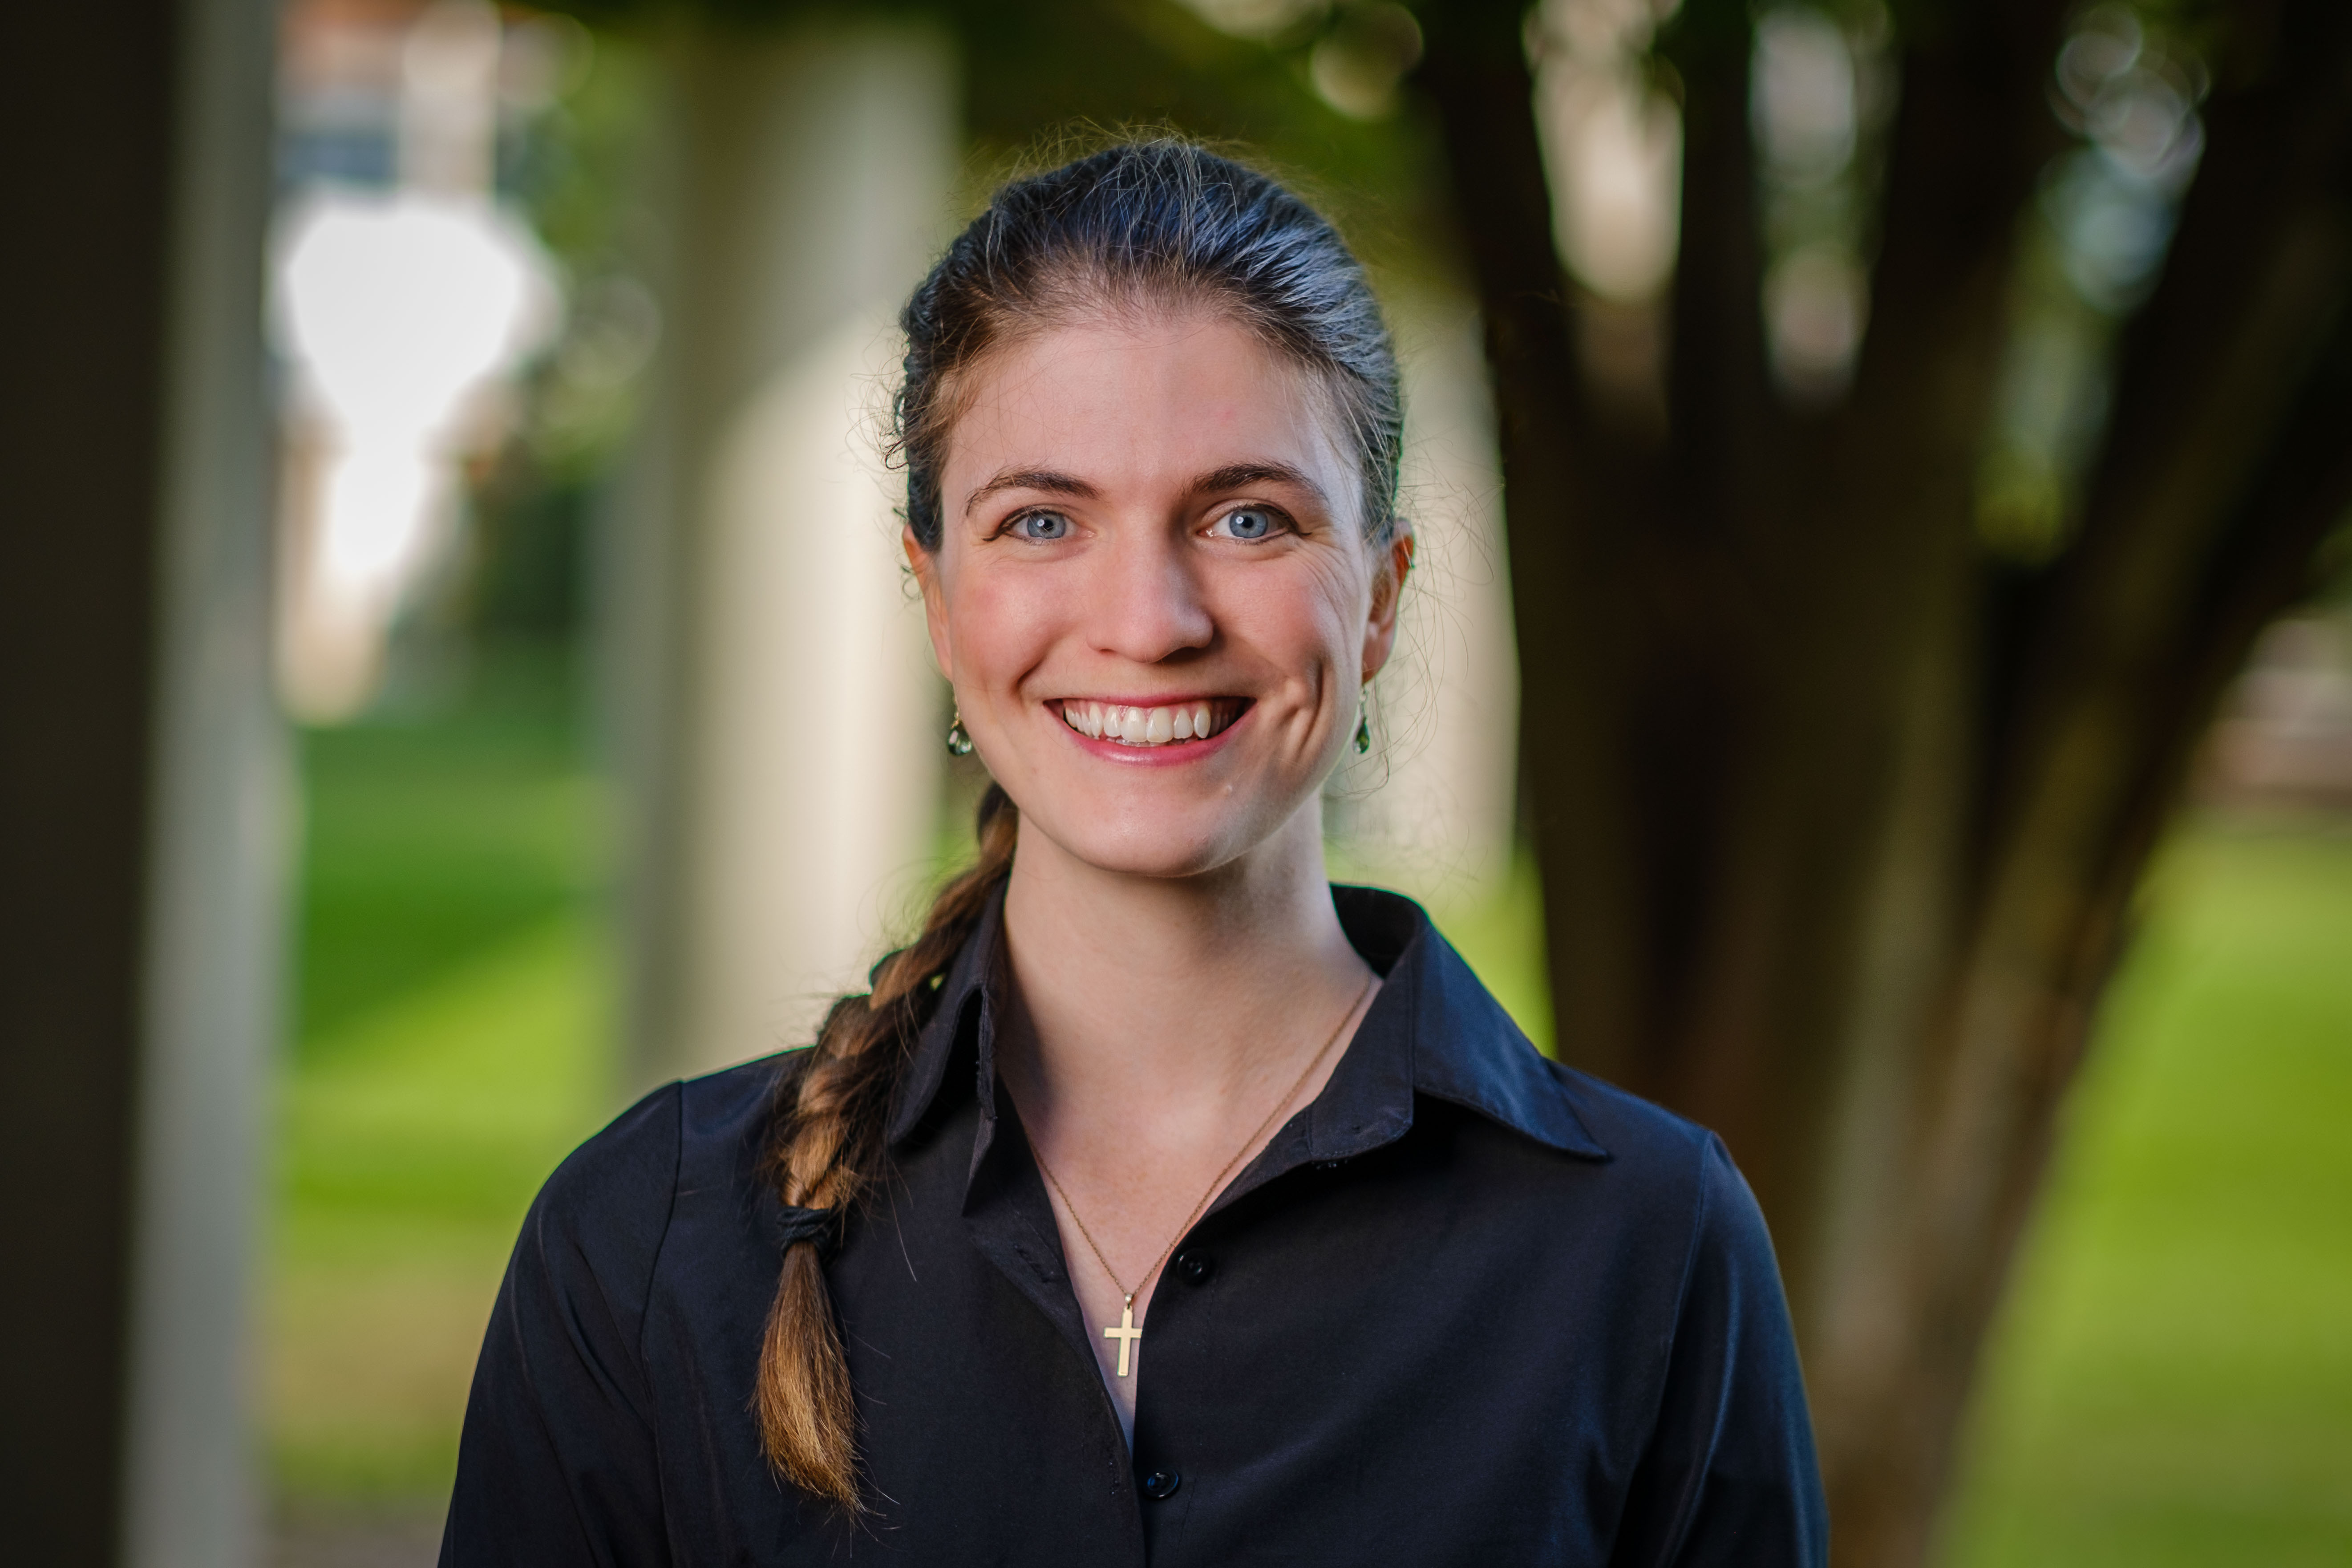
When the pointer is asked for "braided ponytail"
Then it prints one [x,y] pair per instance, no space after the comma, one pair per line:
[828,1145]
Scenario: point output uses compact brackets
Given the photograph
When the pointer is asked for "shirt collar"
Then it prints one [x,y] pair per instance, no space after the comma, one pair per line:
[1433,1030]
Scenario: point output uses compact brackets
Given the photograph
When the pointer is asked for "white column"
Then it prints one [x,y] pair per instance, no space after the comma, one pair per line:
[217,831]
[776,702]
[1431,810]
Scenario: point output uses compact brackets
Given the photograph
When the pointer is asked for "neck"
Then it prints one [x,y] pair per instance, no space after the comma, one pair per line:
[1174,997]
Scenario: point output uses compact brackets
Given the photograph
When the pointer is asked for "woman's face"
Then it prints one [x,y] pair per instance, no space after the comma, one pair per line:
[1151,529]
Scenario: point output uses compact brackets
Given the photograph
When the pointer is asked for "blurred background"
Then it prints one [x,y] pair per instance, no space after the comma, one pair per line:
[611,748]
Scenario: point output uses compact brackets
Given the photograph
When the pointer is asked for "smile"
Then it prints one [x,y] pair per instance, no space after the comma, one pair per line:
[1169,726]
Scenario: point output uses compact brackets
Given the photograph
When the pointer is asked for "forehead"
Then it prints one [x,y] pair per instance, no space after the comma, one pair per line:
[1139,402]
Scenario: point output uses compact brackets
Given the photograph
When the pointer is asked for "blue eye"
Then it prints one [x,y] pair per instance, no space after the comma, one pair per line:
[1041,526]
[1245,522]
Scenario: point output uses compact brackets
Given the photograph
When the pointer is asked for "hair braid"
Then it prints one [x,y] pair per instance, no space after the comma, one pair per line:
[829,1145]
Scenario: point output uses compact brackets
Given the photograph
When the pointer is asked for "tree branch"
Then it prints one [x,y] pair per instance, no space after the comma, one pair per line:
[2224,352]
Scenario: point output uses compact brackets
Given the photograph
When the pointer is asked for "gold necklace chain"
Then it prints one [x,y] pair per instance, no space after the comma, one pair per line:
[1216,1182]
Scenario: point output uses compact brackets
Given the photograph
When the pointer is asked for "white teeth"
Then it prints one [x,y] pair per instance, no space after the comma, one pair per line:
[1140,726]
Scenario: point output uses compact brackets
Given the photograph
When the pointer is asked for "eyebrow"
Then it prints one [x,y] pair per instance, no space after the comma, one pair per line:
[1231,477]
[1050,480]
[1241,475]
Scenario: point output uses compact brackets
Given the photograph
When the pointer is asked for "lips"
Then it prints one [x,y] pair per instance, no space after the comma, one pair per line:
[1170,724]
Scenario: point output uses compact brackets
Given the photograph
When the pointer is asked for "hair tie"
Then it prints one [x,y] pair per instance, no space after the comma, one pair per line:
[793,1226]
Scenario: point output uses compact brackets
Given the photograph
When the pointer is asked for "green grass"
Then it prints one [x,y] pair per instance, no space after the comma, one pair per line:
[410,1147]
[454,1045]
[2172,1381]
[432,837]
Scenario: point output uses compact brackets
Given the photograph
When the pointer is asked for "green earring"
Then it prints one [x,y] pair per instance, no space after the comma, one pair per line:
[1363,724]
[958,738]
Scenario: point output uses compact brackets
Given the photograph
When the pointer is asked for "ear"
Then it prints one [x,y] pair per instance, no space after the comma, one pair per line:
[1388,593]
[926,568]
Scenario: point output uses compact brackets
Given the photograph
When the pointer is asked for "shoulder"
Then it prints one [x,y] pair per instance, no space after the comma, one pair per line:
[725,1116]
[1652,1146]
[1636,1132]
[629,1166]
[1672,1172]
[607,1207]
[1465,1048]
[597,1224]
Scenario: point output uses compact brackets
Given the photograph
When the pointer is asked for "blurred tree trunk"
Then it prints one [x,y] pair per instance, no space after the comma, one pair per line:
[1838,819]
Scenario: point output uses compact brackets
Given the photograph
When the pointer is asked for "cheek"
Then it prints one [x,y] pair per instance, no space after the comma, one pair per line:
[1310,617]
[999,624]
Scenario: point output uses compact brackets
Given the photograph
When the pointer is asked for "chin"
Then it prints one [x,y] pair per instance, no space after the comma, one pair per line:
[1148,851]
[1150,839]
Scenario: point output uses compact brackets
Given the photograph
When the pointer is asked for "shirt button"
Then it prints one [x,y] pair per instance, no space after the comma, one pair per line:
[1195,1266]
[1161,1485]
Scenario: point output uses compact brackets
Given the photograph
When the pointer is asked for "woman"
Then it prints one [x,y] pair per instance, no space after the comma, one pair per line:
[1148,1106]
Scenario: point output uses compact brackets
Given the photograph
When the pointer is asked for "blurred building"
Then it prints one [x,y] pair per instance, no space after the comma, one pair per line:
[2285,738]
[404,295]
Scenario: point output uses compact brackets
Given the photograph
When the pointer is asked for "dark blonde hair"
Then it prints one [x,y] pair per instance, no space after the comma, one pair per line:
[1151,223]
[828,1145]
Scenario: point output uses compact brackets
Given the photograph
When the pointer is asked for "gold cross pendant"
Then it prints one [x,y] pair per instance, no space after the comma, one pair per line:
[1127,1333]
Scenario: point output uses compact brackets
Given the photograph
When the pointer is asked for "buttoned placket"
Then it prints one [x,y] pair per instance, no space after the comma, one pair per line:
[1367,1103]
[1011,1219]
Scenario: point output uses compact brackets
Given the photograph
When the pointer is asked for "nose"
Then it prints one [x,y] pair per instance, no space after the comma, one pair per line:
[1145,602]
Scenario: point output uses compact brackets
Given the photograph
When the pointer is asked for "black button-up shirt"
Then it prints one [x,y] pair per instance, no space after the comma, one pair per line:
[1468,1307]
